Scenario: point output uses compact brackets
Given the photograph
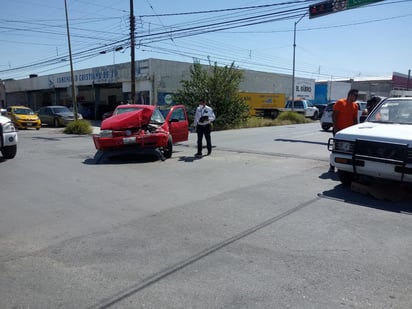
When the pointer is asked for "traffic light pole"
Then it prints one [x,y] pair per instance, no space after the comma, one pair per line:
[294,52]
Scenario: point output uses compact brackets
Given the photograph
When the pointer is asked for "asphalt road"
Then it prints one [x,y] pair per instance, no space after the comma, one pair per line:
[258,224]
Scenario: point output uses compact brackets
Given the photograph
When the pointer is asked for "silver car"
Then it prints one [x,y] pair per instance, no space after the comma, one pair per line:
[326,119]
[56,115]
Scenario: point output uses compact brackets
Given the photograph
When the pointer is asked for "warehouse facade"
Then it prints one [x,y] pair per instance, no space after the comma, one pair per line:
[155,81]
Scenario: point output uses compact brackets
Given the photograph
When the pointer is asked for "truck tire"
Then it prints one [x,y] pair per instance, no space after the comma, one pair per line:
[345,178]
[315,115]
[274,114]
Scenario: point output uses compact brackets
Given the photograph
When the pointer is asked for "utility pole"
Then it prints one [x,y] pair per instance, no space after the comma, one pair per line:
[132,62]
[293,70]
[71,64]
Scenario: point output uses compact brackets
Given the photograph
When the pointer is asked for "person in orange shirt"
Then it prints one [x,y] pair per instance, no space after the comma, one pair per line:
[345,114]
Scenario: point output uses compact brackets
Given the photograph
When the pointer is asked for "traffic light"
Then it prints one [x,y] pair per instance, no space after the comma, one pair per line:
[328,7]
[320,9]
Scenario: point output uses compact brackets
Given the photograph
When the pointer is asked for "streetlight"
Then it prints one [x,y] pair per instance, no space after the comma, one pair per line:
[294,51]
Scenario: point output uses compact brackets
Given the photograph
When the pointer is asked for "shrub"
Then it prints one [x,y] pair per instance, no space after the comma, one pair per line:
[284,118]
[80,126]
[291,117]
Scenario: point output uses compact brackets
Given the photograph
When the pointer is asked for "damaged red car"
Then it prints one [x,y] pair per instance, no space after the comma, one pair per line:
[136,128]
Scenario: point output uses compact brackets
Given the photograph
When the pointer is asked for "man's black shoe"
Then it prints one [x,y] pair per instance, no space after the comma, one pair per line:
[198,154]
[209,153]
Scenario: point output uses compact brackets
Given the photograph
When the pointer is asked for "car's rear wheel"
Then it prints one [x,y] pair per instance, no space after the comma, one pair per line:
[167,152]
[345,178]
[9,152]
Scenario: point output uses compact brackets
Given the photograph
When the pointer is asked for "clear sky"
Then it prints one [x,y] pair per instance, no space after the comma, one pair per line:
[368,41]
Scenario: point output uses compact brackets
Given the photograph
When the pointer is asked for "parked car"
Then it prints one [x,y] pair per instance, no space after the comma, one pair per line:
[8,138]
[56,115]
[303,107]
[135,128]
[23,117]
[379,148]
[326,119]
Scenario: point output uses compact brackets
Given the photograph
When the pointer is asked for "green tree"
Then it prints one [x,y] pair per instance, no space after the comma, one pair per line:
[219,86]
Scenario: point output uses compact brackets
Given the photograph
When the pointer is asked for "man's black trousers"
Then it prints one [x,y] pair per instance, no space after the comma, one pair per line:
[204,131]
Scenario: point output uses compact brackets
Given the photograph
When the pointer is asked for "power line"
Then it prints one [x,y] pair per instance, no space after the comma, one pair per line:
[247,17]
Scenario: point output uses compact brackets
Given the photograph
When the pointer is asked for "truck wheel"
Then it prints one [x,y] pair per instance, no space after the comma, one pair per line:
[345,178]
[315,116]
[9,152]
[274,114]
[167,152]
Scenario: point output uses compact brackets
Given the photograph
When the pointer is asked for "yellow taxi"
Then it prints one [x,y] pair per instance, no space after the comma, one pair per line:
[23,117]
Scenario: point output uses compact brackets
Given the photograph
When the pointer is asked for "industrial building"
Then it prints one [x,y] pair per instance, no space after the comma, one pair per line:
[156,80]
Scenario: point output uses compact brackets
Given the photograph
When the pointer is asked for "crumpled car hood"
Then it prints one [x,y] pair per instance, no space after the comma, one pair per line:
[127,120]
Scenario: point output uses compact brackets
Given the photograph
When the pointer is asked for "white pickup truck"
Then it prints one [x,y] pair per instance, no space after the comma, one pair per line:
[379,148]
[8,138]
[302,106]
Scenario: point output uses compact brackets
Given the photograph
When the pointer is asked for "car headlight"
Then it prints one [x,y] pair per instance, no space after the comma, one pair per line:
[343,146]
[8,127]
[106,133]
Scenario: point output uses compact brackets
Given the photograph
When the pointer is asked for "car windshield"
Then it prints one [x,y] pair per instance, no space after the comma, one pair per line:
[164,111]
[296,104]
[157,117]
[393,111]
[61,109]
[23,111]
[122,110]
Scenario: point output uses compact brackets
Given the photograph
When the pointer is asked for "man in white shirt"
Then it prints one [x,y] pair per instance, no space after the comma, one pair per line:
[203,118]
